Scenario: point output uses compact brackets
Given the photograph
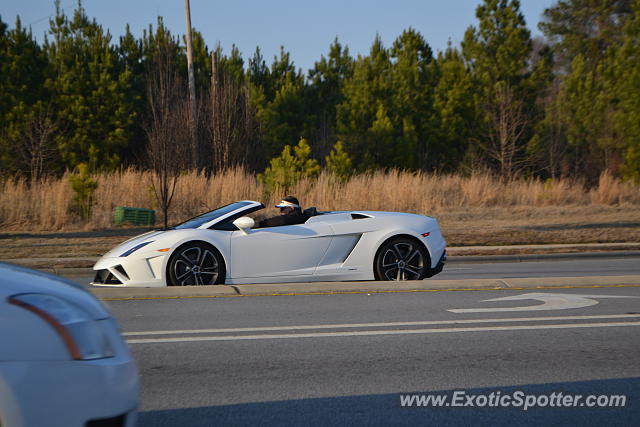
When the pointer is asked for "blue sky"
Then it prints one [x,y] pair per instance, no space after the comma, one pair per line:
[304,28]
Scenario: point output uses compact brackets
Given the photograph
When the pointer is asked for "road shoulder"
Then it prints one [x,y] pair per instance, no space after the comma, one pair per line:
[327,288]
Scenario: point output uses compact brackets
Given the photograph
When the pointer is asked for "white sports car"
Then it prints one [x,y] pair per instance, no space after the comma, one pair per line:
[221,247]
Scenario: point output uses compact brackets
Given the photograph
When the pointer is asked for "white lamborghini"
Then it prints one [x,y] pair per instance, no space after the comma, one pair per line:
[222,247]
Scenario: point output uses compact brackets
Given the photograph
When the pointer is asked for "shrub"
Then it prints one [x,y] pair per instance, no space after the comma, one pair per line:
[83,187]
[289,168]
[339,163]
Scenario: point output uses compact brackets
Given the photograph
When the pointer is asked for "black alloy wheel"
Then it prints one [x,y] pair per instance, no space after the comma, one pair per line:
[196,264]
[401,258]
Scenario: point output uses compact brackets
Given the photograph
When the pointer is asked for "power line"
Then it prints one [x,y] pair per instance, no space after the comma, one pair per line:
[37,21]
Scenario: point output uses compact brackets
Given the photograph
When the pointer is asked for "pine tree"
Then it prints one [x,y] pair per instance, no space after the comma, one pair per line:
[160,41]
[455,109]
[258,73]
[283,72]
[549,148]
[587,39]
[6,162]
[499,48]
[90,94]
[498,53]
[387,117]
[413,78]
[5,99]
[23,67]
[131,59]
[233,64]
[326,81]
[281,105]
[585,27]
[581,115]
[366,94]
[626,80]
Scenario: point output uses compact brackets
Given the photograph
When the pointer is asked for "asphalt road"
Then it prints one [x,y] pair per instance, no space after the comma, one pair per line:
[346,359]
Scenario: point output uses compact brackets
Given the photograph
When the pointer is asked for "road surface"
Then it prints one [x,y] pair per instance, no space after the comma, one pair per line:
[351,359]
[346,359]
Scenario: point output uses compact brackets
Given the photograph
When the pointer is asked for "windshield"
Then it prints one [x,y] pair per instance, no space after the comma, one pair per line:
[210,216]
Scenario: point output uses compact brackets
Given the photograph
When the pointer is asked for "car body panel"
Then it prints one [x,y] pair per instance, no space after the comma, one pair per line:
[293,250]
[331,246]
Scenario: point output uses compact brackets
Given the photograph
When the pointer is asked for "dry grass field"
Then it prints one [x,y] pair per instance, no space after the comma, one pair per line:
[477,210]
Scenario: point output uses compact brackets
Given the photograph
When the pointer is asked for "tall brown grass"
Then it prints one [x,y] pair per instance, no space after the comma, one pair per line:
[45,205]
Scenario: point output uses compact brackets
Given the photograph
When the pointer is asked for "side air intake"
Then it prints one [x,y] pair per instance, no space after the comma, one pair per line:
[360,216]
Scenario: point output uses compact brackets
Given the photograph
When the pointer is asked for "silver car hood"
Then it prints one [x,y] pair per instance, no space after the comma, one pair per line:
[20,280]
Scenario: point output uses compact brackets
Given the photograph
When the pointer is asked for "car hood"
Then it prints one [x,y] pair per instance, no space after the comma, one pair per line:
[20,280]
[135,241]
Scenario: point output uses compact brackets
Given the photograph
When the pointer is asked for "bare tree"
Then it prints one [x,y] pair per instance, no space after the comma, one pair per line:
[232,125]
[36,138]
[168,135]
[507,125]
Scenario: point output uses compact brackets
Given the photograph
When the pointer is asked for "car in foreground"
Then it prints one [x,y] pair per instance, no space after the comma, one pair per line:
[62,359]
[223,247]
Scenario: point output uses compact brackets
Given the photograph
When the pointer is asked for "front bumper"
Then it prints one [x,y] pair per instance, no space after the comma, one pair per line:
[69,393]
[130,271]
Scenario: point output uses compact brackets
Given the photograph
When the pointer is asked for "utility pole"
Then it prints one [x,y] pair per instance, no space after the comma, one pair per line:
[192,89]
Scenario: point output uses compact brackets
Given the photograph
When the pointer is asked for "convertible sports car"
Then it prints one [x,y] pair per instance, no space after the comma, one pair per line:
[221,247]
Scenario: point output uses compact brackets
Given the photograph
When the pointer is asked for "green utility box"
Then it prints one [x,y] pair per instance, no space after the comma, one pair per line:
[135,216]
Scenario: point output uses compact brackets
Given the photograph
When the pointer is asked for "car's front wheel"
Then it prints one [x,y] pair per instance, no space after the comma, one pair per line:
[196,264]
[401,258]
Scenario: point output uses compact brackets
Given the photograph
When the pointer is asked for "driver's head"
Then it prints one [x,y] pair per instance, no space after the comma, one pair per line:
[287,205]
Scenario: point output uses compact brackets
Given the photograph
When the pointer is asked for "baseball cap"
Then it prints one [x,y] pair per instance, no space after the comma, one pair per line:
[288,201]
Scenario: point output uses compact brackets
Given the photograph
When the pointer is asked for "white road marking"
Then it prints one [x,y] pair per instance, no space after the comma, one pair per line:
[379,325]
[380,332]
[550,301]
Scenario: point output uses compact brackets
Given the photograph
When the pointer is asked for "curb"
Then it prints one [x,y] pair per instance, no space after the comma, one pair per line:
[83,267]
[471,259]
[330,288]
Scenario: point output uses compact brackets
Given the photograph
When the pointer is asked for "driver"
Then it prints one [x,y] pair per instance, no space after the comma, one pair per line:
[290,214]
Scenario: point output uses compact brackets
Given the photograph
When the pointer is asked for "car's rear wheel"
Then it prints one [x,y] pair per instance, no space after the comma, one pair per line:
[196,264]
[401,258]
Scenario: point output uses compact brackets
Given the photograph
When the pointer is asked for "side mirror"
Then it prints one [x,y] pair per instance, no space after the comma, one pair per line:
[244,223]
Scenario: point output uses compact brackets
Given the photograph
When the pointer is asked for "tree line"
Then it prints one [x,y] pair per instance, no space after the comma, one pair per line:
[563,105]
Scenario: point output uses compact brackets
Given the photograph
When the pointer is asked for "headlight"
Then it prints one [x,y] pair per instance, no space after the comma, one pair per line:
[135,248]
[84,337]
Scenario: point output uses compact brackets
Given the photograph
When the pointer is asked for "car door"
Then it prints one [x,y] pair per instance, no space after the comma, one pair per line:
[289,250]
